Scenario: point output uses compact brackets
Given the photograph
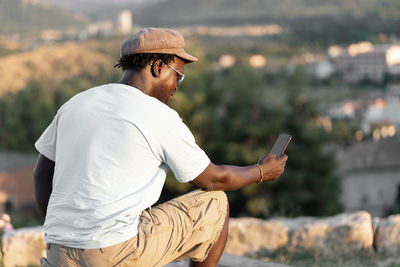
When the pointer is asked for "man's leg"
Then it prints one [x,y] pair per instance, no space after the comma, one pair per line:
[192,226]
[218,247]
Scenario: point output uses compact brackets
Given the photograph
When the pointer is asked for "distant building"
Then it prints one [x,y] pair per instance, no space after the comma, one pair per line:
[382,112]
[16,181]
[90,31]
[125,22]
[345,110]
[106,28]
[370,175]
[365,61]
[320,69]
[51,36]
[232,31]
[101,28]
[393,90]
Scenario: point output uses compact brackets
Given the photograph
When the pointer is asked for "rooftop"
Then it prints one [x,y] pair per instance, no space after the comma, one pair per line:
[371,155]
[12,160]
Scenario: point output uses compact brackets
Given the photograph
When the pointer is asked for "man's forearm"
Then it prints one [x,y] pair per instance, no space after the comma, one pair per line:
[234,177]
[226,177]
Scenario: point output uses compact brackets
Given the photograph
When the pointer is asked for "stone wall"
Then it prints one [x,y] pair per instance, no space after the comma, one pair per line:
[23,247]
[340,234]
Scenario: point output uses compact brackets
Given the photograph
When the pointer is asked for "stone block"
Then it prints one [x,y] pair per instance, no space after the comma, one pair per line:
[387,235]
[341,234]
[248,235]
[23,247]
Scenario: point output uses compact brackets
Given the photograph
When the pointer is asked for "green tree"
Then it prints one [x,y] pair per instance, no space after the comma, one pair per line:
[308,186]
[24,115]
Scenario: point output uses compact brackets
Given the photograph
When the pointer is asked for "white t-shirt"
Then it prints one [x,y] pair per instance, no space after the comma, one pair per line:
[112,146]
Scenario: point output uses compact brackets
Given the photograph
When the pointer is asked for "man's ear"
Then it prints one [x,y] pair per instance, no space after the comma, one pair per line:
[156,68]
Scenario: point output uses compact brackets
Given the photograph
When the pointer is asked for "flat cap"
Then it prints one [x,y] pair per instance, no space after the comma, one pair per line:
[156,40]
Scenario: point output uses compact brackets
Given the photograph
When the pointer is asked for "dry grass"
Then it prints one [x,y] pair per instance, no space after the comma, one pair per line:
[59,62]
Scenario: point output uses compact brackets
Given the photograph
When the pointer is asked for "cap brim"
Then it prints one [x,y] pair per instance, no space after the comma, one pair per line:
[180,52]
[187,57]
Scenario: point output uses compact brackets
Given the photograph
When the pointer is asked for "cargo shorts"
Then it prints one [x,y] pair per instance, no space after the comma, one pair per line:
[184,227]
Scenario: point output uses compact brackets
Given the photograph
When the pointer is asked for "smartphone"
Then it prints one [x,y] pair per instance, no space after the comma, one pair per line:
[280,145]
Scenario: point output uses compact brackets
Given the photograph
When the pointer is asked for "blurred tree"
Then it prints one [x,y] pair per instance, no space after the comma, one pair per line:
[308,186]
[25,114]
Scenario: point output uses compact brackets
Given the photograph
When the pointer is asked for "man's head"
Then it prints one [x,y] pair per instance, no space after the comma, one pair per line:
[150,44]
[158,55]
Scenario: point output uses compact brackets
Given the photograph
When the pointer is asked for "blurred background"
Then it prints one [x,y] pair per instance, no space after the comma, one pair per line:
[325,71]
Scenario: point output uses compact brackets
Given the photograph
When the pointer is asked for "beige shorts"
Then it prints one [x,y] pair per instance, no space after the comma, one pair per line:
[184,227]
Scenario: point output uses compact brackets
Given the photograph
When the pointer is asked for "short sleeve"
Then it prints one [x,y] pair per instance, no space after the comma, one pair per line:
[46,144]
[181,153]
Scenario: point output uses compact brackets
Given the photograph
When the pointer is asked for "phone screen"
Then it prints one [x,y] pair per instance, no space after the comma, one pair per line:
[280,145]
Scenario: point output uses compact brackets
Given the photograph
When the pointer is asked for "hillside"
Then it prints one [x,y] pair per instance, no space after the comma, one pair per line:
[316,22]
[28,17]
[57,62]
[322,20]
[96,9]
[180,12]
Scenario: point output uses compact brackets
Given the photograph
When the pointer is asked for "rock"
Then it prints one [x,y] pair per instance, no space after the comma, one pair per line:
[387,235]
[249,235]
[341,234]
[375,223]
[23,247]
[293,224]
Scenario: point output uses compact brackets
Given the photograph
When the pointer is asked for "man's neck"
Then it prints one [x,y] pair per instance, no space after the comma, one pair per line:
[135,79]
[127,77]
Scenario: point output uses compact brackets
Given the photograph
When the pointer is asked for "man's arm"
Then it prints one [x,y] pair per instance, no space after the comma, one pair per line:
[224,177]
[43,177]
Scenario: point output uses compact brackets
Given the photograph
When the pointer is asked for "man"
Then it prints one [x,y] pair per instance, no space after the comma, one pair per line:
[103,162]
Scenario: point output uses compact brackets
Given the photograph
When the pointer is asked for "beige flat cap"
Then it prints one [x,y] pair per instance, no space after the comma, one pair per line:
[156,40]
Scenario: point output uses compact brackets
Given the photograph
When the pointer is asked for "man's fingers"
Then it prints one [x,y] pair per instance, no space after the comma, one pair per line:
[284,157]
[268,157]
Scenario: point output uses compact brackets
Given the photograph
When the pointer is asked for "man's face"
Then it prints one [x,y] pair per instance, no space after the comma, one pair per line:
[169,80]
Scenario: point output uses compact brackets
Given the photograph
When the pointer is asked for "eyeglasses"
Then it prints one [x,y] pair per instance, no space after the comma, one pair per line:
[181,77]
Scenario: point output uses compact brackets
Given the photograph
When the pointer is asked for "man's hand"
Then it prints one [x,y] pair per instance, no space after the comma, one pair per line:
[272,166]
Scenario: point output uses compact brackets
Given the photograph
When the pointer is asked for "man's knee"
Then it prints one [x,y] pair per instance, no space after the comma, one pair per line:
[223,199]
[223,202]
[221,196]
[215,203]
